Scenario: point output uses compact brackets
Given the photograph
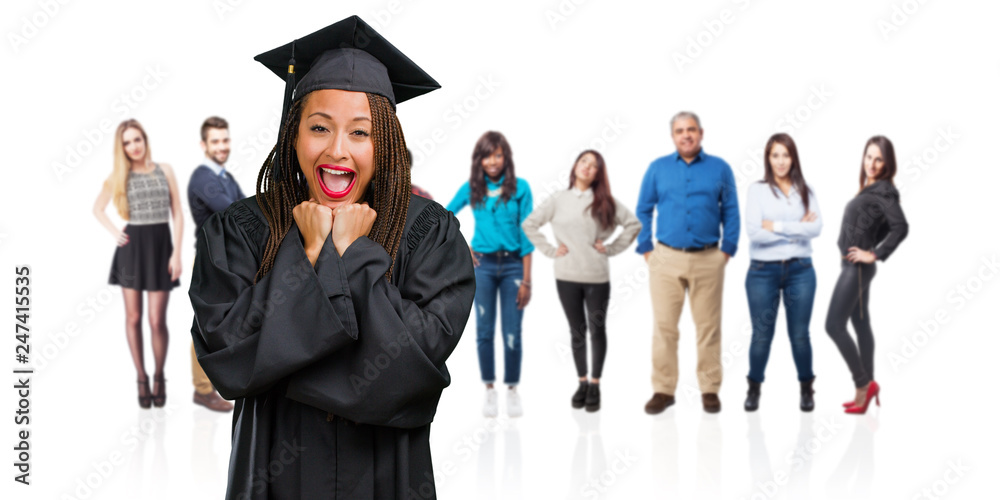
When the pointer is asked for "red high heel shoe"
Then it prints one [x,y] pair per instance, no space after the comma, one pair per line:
[873,390]
[848,404]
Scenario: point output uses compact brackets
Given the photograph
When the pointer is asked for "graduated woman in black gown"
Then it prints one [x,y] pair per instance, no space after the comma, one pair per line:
[327,304]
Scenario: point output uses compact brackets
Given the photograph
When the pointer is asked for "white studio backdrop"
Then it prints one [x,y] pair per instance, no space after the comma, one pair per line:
[556,77]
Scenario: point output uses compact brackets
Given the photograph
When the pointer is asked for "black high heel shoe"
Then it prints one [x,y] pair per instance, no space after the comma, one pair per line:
[145,395]
[160,391]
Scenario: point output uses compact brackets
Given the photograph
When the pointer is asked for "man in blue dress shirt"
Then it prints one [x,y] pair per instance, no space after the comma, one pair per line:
[210,190]
[694,196]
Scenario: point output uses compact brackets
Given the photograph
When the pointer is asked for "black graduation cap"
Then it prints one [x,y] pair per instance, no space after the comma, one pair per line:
[346,55]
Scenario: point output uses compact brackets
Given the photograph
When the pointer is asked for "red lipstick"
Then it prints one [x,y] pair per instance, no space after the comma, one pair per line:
[335,181]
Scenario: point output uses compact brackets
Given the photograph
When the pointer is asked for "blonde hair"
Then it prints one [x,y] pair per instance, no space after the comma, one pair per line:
[122,165]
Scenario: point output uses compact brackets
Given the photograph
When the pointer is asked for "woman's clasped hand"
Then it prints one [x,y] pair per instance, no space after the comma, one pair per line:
[347,223]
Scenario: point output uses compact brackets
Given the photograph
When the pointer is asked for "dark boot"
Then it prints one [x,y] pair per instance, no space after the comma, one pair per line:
[580,396]
[753,396]
[806,403]
[593,397]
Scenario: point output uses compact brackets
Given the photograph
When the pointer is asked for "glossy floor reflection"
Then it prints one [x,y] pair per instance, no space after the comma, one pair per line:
[553,451]
[147,468]
[209,465]
[709,457]
[589,458]
[502,446]
[789,472]
[778,452]
[665,449]
[855,472]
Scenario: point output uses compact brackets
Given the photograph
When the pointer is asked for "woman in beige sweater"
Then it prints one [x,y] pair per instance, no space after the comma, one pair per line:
[582,217]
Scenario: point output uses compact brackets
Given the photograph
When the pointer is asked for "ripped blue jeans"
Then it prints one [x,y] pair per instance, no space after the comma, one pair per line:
[498,277]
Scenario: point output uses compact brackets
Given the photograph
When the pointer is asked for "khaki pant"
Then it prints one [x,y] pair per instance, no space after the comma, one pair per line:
[201,383]
[671,273]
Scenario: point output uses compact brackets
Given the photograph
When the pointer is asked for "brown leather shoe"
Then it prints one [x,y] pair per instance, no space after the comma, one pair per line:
[658,403]
[710,401]
[212,401]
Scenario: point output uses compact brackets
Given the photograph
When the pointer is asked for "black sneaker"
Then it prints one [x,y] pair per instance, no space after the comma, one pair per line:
[580,396]
[593,400]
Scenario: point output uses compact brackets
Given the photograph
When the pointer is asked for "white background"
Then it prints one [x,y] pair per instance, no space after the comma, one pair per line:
[555,78]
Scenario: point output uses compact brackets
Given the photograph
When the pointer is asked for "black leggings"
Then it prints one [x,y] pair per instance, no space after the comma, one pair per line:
[850,301]
[573,296]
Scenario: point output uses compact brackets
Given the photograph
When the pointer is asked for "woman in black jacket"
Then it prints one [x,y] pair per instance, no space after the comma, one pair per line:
[872,228]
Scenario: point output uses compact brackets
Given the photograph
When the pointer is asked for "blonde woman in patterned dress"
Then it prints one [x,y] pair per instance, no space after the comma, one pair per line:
[145,194]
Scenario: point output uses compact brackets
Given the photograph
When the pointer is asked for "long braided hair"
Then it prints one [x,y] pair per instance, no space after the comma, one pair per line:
[388,192]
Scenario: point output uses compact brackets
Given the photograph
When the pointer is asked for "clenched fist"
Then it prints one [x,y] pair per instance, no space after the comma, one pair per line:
[351,222]
[315,222]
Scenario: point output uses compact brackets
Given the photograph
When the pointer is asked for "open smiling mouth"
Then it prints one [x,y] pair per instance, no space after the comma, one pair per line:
[335,181]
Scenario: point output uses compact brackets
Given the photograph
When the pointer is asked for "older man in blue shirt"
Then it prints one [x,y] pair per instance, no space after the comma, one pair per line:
[693,194]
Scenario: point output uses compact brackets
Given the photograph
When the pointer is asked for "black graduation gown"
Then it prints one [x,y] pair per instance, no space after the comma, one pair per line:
[336,372]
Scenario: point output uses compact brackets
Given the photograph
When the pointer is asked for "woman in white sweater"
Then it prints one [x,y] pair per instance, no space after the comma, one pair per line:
[582,217]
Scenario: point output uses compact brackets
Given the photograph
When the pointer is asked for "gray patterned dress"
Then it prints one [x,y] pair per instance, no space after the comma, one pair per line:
[142,263]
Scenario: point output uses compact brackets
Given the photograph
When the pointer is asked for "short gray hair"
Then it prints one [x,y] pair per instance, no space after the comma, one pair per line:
[685,114]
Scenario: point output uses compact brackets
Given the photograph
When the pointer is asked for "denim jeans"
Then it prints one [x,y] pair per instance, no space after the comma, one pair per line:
[767,283]
[498,276]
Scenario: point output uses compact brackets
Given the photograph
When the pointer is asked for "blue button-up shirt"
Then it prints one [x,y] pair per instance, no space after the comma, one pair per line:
[498,224]
[212,164]
[790,238]
[691,202]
